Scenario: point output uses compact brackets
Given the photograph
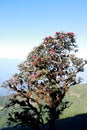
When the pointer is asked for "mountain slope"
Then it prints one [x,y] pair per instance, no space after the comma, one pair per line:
[77,95]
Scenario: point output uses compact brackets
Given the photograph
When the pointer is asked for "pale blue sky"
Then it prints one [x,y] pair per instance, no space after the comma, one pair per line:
[25,23]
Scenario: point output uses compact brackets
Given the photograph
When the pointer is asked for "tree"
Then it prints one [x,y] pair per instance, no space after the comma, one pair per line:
[45,77]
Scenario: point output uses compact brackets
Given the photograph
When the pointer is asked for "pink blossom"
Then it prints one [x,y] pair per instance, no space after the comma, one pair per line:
[61,36]
[60,47]
[34,57]
[70,33]
[32,63]
[15,79]
[50,37]
[51,51]
[34,76]
[57,33]
[48,57]
[46,38]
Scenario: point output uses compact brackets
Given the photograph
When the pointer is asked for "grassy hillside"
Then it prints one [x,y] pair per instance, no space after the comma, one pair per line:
[3,113]
[77,95]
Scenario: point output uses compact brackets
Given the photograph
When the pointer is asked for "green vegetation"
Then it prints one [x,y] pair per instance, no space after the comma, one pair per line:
[3,113]
[77,95]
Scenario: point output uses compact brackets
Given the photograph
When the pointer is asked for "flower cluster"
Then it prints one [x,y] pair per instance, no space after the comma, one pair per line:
[71,34]
[62,35]
[48,39]
[51,51]
[35,75]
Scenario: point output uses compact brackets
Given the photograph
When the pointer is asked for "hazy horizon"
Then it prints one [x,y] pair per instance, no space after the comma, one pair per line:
[8,67]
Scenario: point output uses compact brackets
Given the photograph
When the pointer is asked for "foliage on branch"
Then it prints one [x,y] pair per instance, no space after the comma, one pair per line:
[44,78]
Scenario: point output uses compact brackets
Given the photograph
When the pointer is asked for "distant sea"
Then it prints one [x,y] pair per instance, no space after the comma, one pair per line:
[8,67]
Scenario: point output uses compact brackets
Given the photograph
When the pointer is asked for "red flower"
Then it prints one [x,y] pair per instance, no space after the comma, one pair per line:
[71,33]
[32,63]
[48,57]
[61,36]
[15,79]
[57,33]
[47,38]
[34,76]
[50,37]
[51,51]
[34,57]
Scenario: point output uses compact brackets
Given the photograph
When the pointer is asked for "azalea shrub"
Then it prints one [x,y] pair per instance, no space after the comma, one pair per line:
[45,77]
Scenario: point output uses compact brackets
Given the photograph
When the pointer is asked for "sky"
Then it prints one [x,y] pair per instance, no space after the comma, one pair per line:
[25,23]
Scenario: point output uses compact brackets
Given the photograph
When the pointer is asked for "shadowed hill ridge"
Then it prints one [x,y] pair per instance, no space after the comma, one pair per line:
[78,122]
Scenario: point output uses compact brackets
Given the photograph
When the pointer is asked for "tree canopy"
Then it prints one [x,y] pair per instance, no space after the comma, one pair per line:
[45,77]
